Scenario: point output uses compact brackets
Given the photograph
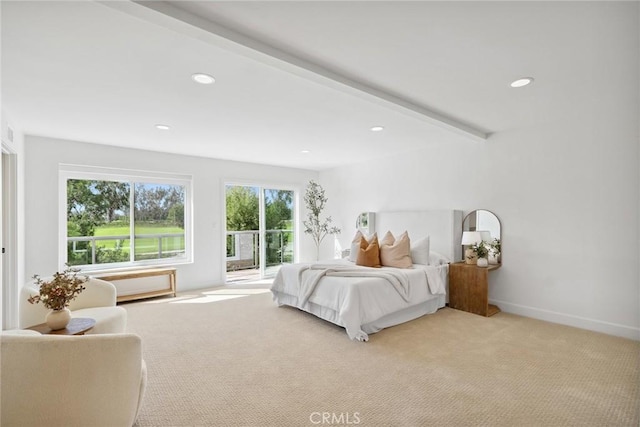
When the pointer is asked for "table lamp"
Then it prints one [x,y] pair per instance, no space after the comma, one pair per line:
[470,238]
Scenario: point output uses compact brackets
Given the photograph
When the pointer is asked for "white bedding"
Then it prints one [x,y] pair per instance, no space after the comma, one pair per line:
[361,303]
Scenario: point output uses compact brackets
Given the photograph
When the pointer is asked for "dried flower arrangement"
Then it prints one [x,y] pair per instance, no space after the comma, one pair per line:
[57,293]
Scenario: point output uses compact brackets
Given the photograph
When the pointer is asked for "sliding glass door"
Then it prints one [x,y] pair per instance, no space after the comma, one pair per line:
[260,232]
[278,229]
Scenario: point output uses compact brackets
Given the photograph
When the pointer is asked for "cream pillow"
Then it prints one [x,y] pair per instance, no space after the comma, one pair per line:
[395,252]
[355,246]
[369,252]
[420,251]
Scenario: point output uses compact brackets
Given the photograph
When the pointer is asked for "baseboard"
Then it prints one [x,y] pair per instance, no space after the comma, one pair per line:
[570,320]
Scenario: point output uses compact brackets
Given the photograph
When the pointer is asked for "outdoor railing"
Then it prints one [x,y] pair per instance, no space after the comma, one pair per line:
[276,241]
[153,254]
[278,245]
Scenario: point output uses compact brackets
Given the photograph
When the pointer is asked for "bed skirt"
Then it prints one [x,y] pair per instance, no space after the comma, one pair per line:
[405,315]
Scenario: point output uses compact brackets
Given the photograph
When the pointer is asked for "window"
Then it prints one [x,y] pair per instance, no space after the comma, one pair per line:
[114,219]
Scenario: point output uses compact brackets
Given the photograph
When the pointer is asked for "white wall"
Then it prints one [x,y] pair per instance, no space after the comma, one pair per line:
[566,192]
[43,156]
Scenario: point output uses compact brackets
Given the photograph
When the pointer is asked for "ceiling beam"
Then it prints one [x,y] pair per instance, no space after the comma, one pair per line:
[174,18]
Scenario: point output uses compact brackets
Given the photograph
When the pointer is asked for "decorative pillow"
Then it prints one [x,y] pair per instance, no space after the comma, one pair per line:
[420,251]
[355,246]
[395,252]
[369,252]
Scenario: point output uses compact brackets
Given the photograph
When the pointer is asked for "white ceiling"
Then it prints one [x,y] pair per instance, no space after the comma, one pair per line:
[293,76]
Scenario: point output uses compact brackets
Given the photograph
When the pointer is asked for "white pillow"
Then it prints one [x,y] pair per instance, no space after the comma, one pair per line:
[355,246]
[438,259]
[420,251]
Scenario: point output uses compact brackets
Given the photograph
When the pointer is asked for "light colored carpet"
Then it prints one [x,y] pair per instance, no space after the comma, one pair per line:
[228,357]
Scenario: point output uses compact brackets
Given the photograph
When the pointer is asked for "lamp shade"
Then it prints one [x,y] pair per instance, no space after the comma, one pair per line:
[486,236]
[471,237]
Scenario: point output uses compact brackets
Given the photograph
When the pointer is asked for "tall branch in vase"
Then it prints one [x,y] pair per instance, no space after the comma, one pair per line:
[315,200]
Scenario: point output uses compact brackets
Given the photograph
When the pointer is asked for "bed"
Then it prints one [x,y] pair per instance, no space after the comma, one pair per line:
[365,300]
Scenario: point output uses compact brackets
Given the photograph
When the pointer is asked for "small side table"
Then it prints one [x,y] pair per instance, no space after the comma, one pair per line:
[469,288]
[76,326]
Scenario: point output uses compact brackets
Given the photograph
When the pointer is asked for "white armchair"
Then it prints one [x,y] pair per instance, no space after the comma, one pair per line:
[47,380]
[97,301]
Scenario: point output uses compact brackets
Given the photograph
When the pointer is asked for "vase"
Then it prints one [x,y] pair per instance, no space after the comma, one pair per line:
[58,319]
[482,262]
[493,259]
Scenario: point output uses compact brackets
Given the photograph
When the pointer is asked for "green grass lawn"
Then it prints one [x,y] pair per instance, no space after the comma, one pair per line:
[143,245]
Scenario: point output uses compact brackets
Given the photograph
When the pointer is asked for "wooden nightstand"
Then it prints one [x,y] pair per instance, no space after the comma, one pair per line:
[469,288]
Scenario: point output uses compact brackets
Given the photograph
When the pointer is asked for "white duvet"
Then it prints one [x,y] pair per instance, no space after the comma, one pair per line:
[351,295]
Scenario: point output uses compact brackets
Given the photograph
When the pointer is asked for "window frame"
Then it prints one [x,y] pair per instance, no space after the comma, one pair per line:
[67,171]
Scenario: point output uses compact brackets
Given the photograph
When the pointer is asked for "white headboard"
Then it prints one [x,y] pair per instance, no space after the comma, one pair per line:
[444,228]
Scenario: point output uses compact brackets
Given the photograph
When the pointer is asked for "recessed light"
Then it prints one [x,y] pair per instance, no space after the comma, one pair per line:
[163,127]
[377,128]
[305,151]
[522,82]
[202,78]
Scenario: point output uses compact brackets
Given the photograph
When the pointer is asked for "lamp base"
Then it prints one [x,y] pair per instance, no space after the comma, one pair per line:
[470,257]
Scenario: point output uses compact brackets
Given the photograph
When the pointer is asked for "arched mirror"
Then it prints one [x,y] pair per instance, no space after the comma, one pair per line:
[366,223]
[488,225]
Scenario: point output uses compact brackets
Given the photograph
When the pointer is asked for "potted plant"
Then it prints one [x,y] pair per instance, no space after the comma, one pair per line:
[57,293]
[495,249]
[315,200]
[481,250]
